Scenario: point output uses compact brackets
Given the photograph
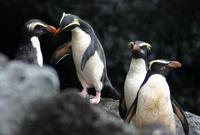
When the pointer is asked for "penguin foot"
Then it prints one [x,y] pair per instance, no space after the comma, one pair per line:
[96,99]
[83,93]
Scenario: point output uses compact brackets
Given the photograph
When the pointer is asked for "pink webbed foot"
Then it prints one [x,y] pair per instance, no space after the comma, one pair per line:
[83,93]
[96,99]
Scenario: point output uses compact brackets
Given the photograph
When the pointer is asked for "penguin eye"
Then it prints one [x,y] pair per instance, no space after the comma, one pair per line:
[39,31]
[144,48]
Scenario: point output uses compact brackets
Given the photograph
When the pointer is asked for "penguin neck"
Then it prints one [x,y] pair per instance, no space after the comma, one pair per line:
[160,71]
[86,27]
[149,74]
[78,35]
[138,65]
[77,32]
[36,44]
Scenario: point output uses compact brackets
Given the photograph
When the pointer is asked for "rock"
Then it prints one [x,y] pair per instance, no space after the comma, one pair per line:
[70,114]
[3,60]
[194,124]
[111,106]
[21,85]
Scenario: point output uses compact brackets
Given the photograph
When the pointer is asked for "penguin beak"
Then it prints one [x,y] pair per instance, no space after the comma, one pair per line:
[57,31]
[174,64]
[133,46]
[51,29]
[136,47]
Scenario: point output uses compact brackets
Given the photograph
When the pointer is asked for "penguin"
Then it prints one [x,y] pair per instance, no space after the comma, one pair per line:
[135,75]
[88,56]
[29,49]
[153,103]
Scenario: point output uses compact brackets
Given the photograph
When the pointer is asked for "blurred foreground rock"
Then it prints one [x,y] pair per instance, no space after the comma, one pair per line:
[70,114]
[21,85]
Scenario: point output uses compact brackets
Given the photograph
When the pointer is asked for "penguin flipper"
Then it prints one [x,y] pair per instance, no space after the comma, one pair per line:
[131,111]
[181,115]
[122,107]
[63,51]
[87,54]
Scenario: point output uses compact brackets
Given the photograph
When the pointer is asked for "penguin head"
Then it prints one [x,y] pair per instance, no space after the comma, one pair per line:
[162,66]
[68,22]
[139,49]
[37,28]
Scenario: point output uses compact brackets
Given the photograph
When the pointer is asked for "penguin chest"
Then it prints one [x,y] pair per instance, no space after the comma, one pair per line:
[134,79]
[154,104]
[131,87]
[93,70]
[36,44]
[80,43]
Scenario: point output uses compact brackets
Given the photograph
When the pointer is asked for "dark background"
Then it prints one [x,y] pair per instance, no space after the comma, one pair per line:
[172,27]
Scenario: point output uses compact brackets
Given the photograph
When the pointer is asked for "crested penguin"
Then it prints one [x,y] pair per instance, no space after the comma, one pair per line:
[88,56]
[29,49]
[135,76]
[153,103]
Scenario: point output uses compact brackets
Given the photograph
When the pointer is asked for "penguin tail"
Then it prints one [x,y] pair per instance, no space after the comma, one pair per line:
[109,91]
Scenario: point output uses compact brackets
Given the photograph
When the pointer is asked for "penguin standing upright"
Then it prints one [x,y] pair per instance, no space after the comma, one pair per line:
[88,56]
[29,49]
[135,76]
[153,104]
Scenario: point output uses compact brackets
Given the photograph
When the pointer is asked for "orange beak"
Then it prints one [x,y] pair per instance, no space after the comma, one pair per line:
[57,31]
[136,47]
[174,64]
[51,29]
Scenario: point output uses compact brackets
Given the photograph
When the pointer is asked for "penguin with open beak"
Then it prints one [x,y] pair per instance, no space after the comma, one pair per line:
[88,56]
[136,74]
[153,103]
[29,49]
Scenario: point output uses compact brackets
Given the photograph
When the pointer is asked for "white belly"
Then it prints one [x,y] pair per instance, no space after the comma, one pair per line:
[36,44]
[134,79]
[154,104]
[131,87]
[92,72]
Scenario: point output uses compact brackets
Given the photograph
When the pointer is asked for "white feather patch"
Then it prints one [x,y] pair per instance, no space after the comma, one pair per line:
[32,25]
[36,44]
[134,79]
[158,61]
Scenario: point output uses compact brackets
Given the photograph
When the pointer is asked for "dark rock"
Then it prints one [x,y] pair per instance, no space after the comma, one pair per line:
[21,85]
[70,114]
[194,124]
